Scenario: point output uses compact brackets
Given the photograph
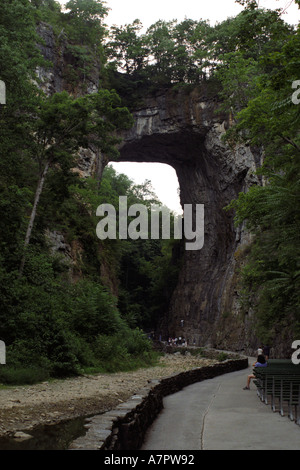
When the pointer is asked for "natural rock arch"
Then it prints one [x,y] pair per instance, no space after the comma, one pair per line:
[185,131]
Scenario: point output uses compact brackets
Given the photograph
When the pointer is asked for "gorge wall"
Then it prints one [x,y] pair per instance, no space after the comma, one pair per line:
[185,130]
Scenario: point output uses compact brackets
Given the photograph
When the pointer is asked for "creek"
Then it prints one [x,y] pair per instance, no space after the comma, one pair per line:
[47,437]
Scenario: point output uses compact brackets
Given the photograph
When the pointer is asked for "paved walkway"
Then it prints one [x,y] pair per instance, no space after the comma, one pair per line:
[218,414]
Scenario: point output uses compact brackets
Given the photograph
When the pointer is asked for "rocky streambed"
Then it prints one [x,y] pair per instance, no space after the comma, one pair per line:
[50,414]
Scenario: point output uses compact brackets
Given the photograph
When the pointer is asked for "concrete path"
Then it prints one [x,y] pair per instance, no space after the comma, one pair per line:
[218,414]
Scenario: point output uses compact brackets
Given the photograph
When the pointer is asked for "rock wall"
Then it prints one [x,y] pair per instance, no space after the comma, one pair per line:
[185,130]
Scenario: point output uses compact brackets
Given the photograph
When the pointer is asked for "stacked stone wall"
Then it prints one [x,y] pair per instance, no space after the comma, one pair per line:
[125,427]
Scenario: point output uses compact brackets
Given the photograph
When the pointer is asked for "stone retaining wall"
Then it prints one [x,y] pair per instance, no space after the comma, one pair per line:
[125,427]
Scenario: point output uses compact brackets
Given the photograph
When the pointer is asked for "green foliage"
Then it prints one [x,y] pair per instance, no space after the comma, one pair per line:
[84,21]
[127,47]
[56,326]
[50,321]
[126,351]
[222,356]
[168,53]
[94,311]
[21,376]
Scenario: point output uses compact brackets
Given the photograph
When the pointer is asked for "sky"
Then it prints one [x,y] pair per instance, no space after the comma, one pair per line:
[126,11]
[163,177]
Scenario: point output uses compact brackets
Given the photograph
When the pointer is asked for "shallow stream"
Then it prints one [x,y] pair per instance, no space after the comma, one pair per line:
[48,437]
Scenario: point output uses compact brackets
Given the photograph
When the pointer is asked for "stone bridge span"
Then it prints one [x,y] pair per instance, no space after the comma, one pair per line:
[185,130]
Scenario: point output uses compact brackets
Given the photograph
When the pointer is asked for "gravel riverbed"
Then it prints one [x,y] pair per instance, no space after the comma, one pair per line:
[24,407]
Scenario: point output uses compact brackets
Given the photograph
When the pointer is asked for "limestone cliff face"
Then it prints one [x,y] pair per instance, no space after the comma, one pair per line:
[185,131]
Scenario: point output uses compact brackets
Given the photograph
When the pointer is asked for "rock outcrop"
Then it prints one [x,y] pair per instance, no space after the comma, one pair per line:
[62,71]
[185,130]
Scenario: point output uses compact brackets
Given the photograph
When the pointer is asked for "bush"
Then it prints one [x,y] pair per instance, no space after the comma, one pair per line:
[222,357]
[136,342]
[94,311]
[22,375]
[127,350]
[109,347]
[61,329]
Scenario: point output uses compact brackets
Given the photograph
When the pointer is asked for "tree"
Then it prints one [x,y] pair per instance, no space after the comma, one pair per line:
[237,76]
[251,4]
[193,36]
[19,58]
[128,48]
[87,10]
[162,46]
[239,54]
[64,125]
[169,52]
[187,51]
[85,20]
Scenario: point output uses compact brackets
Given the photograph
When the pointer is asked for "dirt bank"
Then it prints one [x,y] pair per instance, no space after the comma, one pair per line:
[24,407]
